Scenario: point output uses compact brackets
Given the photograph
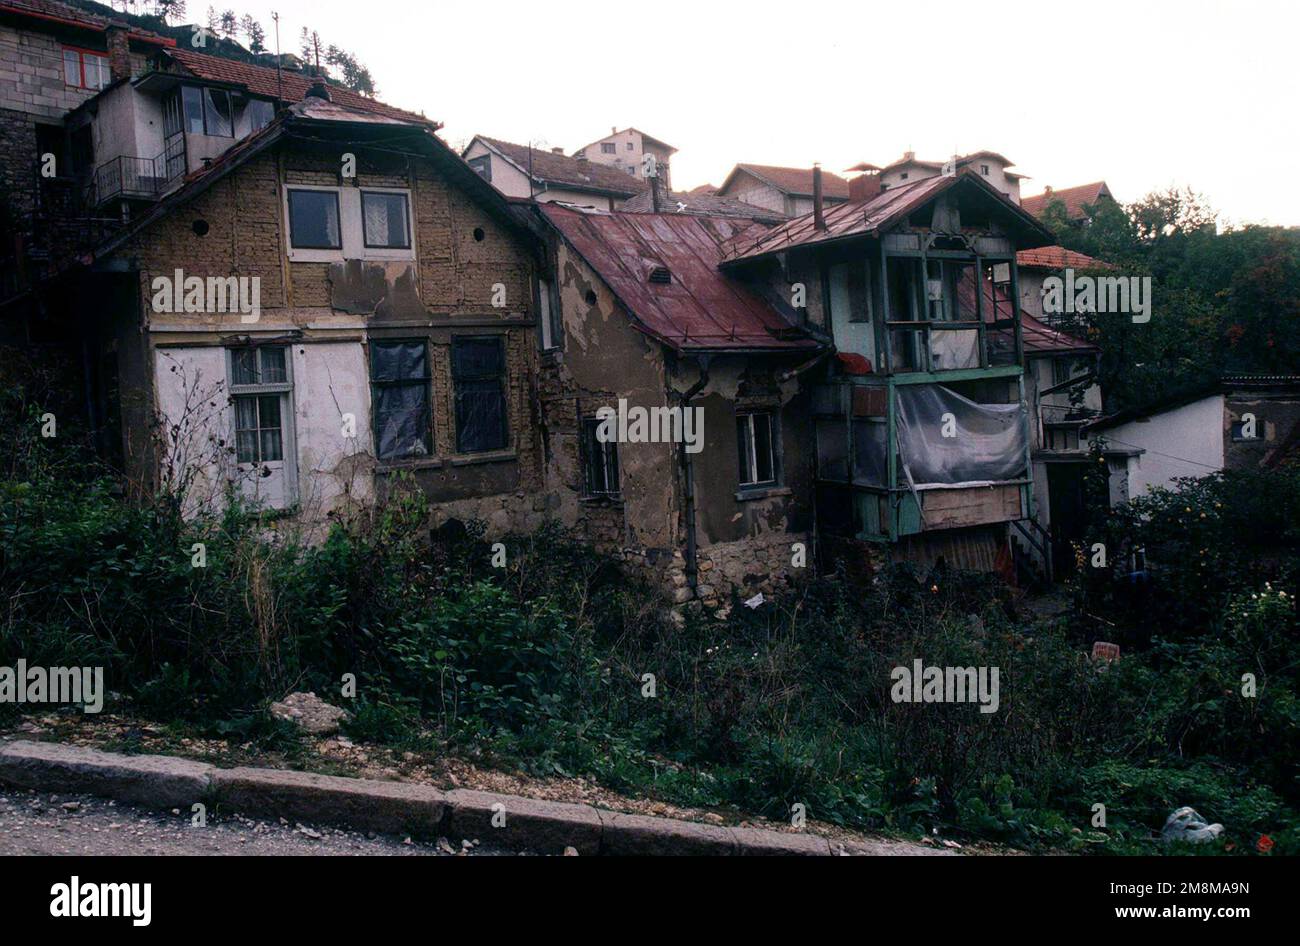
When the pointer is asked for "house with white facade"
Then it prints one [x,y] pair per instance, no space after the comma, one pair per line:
[549,175]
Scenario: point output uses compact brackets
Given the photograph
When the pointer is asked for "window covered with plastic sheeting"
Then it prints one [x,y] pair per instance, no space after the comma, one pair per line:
[945,439]
[870,453]
[478,367]
[399,380]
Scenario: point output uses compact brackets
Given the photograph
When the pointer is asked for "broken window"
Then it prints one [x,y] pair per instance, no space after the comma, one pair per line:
[482,166]
[259,388]
[399,384]
[478,367]
[314,220]
[600,461]
[755,440]
[548,325]
[218,117]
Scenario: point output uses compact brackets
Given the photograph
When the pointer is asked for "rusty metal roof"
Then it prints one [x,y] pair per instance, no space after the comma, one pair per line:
[700,308]
[871,216]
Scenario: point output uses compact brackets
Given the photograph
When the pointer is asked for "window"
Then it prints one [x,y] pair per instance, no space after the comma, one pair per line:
[600,461]
[1239,434]
[85,69]
[1062,438]
[260,113]
[330,224]
[546,311]
[984,169]
[631,146]
[383,220]
[608,147]
[482,165]
[218,117]
[903,176]
[1062,370]
[314,220]
[754,437]
[399,385]
[478,367]
[208,111]
[259,389]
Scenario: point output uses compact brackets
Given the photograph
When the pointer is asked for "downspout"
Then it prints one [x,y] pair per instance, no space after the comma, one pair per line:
[688,474]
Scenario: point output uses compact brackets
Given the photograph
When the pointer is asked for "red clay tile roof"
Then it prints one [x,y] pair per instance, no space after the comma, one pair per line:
[1074,198]
[797,182]
[702,204]
[1057,257]
[560,170]
[54,12]
[700,308]
[261,80]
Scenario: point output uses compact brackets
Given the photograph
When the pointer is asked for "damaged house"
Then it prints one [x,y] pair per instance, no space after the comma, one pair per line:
[309,297]
[921,422]
[644,320]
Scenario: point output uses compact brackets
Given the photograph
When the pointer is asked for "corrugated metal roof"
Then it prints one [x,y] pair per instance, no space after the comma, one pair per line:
[700,308]
[869,217]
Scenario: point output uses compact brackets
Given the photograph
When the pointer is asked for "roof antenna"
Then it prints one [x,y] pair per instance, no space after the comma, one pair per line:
[279,79]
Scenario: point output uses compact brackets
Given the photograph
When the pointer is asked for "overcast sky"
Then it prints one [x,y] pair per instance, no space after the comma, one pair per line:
[1140,94]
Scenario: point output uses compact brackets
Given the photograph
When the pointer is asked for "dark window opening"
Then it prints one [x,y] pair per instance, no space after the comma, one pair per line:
[478,368]
[314,220]
[482,165]
[399,385]
[600,461]
[608,147]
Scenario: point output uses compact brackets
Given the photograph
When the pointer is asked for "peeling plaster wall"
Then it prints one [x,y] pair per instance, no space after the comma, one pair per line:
[743,545]
[328,311]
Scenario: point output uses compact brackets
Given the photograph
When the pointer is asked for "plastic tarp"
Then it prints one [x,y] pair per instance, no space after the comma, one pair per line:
[955,348]
[986,442]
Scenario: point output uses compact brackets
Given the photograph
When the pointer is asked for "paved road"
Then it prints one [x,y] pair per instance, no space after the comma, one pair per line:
[39,823]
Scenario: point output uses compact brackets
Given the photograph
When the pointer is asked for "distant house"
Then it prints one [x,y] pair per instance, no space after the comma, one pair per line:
[701,203]
[986,164]
[787,191]
[1240,422]
[1075,199]
[520,171]
[626,150]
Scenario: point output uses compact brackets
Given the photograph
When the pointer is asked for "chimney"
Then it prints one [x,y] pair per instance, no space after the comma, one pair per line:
[658,196]
[557,151]
[864,186]
[119,53]
[613,129]
[819,219]
[319,90]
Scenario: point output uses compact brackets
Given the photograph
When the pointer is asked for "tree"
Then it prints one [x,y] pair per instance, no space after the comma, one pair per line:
[310,45]
[355,76]
[169,10]
[254,33]
[229,24]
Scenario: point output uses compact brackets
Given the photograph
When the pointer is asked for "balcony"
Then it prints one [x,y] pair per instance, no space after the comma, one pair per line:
[132,178]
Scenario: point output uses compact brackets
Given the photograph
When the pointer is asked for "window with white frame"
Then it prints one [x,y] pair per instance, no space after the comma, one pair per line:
[756,443]
[329,224]
[259,392]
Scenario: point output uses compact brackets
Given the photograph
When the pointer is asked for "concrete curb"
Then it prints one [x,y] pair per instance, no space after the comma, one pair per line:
[509,821]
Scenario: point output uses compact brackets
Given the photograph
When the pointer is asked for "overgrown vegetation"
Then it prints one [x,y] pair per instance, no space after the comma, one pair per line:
[543,664]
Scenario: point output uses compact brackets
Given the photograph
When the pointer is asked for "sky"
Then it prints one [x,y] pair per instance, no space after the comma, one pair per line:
[1143,94]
